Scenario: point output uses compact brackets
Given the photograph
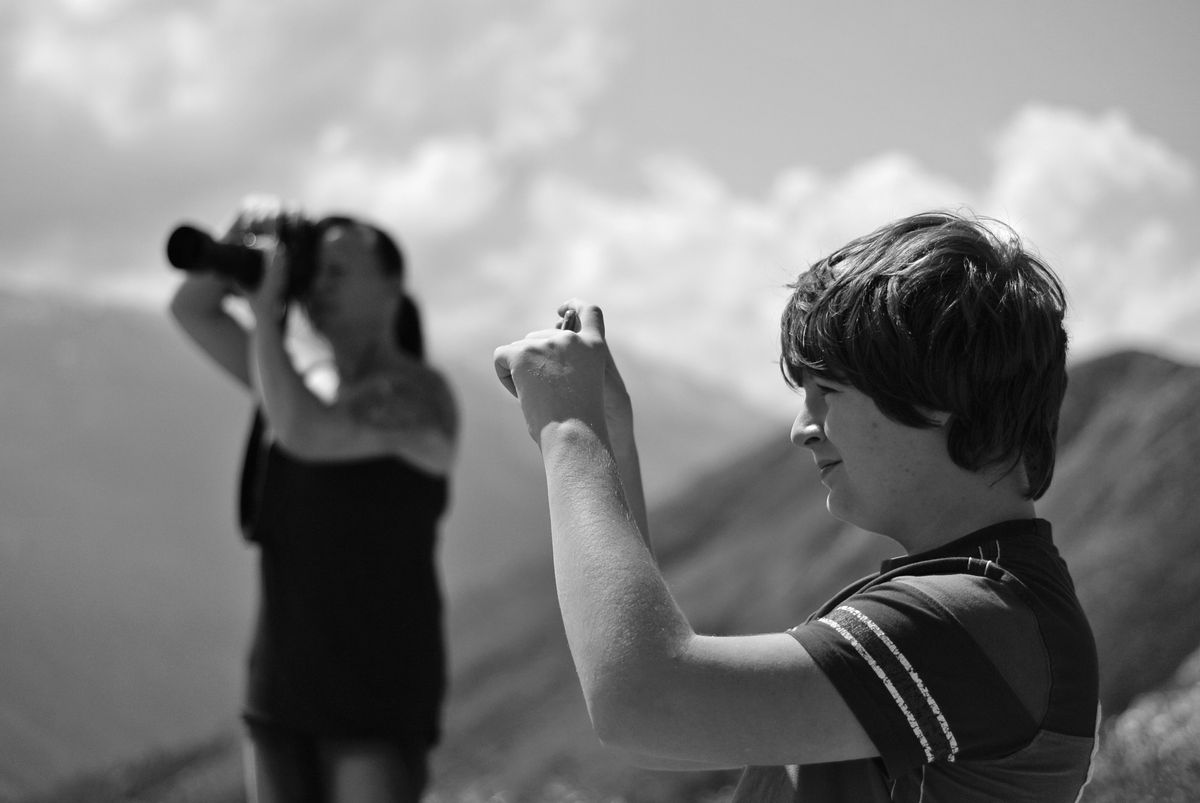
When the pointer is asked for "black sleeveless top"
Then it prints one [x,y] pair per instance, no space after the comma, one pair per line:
[349,639]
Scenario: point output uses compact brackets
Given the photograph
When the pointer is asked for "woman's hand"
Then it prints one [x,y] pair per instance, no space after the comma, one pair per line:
[268,300]
[258,223]
[258,219]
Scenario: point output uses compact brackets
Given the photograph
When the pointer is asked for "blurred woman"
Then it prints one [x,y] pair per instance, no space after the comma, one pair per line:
[344,485]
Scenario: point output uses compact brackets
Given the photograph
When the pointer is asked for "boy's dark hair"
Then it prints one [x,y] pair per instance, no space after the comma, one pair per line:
[937,312]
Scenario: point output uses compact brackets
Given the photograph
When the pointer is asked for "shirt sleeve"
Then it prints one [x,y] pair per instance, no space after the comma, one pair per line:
[935,668]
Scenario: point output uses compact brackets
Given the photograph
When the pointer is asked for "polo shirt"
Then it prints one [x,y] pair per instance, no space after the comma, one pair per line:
[972,668]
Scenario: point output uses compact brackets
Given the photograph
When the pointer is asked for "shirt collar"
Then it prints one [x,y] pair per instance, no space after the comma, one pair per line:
[1014,528]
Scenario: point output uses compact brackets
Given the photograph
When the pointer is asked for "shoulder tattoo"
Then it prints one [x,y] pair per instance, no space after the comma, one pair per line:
[404,402]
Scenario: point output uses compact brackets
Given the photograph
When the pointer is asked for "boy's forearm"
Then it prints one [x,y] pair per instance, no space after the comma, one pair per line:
[630,469]
[616,608]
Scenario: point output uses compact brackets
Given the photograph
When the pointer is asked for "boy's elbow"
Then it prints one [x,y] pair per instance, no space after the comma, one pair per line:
[613,720]
[638,696]
[628,712]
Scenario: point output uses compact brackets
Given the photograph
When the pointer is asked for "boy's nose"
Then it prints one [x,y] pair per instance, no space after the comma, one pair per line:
[806,430]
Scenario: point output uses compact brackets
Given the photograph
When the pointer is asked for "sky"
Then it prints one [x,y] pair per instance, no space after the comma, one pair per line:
[676,161]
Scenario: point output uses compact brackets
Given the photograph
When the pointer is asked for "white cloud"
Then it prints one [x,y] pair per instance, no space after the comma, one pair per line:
[692,273]
[536,72]
[689,272]
[447,185]
[1059,166]
[124,115]
[461,122]
[521,72]
[1110,208]
[129,69]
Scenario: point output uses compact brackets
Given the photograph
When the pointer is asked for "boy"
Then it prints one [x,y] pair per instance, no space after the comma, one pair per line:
[930,358]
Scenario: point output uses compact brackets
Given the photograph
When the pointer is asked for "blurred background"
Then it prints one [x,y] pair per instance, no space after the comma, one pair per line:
[676,161]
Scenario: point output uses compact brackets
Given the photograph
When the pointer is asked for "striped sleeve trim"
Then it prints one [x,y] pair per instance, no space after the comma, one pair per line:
[899,677]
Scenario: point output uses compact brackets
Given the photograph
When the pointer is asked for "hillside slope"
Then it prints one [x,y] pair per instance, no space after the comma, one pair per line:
[1151,751]
[120,574]
[1125,503]
[125,591]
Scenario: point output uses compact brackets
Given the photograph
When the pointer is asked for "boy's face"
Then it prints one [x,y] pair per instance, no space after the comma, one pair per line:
[882,476]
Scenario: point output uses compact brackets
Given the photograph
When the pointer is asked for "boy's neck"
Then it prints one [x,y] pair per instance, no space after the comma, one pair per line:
[951,528]
[962,510]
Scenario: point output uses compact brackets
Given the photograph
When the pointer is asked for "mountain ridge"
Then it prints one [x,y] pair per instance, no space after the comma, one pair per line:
[1126,480]
[126,592]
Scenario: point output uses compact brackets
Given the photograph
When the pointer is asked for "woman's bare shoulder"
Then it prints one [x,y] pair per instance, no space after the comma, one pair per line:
[401,394]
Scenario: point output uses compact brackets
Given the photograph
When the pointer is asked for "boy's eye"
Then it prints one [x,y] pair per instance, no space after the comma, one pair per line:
[826,389]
